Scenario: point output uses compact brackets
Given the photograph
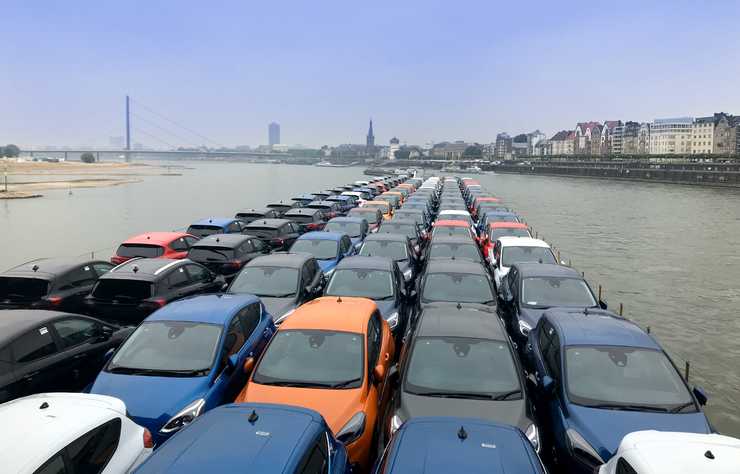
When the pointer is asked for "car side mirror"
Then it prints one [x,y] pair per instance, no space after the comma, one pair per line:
[602,304]
[248,365]
[701,395]
[225,286]
[265,249]
[548,385]
[308,289]
[393,374]
[379,373]
[108,354]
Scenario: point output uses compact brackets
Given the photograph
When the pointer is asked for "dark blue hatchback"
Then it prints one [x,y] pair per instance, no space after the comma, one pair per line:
[186,359]
[252,437]
[443,445]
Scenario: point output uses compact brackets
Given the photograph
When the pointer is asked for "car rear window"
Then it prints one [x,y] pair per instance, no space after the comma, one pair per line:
[204,230]
[263,232]
[108,289]
[22,289]
[304,219]
[140,250]
[210,254]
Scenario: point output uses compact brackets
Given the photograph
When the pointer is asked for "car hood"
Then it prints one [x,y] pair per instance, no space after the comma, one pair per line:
[510,412]
[336,406]
[151,401]
[604,429]
[278,306]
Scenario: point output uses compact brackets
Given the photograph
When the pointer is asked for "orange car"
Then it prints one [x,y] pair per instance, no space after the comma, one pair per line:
[333,356]
[385,207]
[409,186]
[395,193]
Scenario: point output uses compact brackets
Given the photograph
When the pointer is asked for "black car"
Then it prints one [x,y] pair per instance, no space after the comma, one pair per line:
[397,247]
[50,283]
[51,351]
[529,289]
[321,195]
[418,215]
[226,254]
[307,219]
[283,281]
[135,289]
[279,234]
[453,247]
[459,360]
[251,215]
[330,209]
[373,216]
[282,207]
[408,227]
[456,281]
[379,279]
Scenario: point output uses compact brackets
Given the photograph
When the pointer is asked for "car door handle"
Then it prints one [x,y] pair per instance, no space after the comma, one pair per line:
[79,356]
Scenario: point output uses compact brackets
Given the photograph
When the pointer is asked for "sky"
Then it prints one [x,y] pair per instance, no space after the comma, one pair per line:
[216,73]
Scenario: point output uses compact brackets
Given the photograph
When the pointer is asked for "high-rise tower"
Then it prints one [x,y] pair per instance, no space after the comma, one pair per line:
[370,143]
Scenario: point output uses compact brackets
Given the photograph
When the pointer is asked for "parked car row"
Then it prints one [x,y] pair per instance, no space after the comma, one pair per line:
[390,325]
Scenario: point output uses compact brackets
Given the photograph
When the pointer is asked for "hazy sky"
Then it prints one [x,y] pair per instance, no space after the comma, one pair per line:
[423,70]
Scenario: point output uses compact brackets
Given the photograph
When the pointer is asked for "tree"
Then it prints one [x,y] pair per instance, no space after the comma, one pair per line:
[402,154]
[11,151]
[87,157]
[473,152]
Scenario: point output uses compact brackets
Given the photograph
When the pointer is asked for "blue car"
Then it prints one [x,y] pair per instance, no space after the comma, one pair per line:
[598,378]
[216,225]
[356,227]
[303,199]
[345,203]
[186,359]
[440,445]
[329,248]
[252,437]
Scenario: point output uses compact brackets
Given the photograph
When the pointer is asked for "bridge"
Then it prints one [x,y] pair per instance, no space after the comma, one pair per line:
[130,154]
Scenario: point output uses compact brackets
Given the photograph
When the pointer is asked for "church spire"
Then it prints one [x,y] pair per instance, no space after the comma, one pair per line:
[370,136]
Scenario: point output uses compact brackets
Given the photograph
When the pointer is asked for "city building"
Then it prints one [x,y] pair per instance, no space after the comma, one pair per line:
[587,138]
[629,139]
[520,146]
[370,140]
[702,136]
[725,134]
[643,139]
[533,138]
[671,136]
[542,148]
[273,133]
[611,137]
[502,148]
[449,151]
[395,146]
[562,143]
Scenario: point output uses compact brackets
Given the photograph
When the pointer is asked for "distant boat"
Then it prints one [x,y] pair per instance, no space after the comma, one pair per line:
[329,164]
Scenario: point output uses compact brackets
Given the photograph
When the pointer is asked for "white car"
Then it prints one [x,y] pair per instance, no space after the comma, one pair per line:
[661,452]
[457,215]
[360,201]
[361,183]
[70,432]
[510,250]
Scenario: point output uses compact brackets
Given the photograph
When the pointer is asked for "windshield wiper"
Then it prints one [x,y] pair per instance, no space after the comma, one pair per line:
[283,295]
[506,395]
[345,383]
[681,407]
[384,298]
[163,372]
[472,396]
[288,383]
[628,407]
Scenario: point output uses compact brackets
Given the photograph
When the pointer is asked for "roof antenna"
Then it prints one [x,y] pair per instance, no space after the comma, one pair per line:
[339,299]
[45,405]
[135,269]
[709,455]
[585,311]
[459,306]
[462,434]
[35,268]
[253,417]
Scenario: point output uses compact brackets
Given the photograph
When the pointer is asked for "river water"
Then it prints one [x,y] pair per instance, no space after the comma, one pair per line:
[669,253]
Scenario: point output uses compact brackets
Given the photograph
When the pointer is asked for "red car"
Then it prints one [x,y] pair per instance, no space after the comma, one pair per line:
[479,200]
[155,245]
[503,229]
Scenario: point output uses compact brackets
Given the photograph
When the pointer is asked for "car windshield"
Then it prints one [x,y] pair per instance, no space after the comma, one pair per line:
[353,229]
[321,249]
[449,250]
[301,218]
[384,248]
[168,348]
[457,287]
[501,218]
[115,288]
[512,254]
[373,284]
[384,207]
[599,375]
[408,230]
[263,232]
[204,230]
[246,217]
[20,289]
[504,232]
[299,358]
[370,214]
[457,217]
[210,254]
[449,365]
[545,292]
[139,250]
[276,282]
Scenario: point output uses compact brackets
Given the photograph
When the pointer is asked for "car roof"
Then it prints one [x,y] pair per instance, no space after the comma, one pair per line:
[323,202]
[223,240]
[35,434]
[431,445]
[453,239]
[450,223]
[289,260]
[387,237]
[527,270]
[155,238]
[507,225]
[260,210]
[460,320]
[215,221]
[217,441]
[48,267]
[510,241]
[366,263]
[332,313]
[321,235]
[340,197]
[280,203]
[215,308]
[146,269]
[597,328]
[455,266]
[274,223]
[356,220]
[454,211]
[17,321]
[303,197]
[400,220]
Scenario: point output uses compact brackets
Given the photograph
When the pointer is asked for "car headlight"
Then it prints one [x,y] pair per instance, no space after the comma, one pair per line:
[583,451]
[282,318]
[524,328]
[533,435]
[353,429]
[408,274]
[184,416]
[396,423]
[393,320]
